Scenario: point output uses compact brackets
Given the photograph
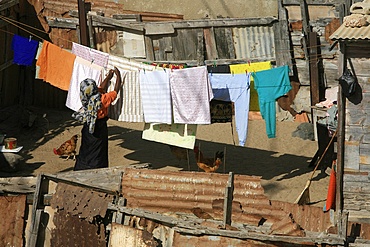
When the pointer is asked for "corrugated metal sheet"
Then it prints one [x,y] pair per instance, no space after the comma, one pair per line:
[12,220]
[164,191]
[310,218]
[76,219]
[351,33]
[182,191]
[254,42]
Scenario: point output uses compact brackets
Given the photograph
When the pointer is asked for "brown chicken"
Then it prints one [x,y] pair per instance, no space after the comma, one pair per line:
[208,164]
[68,148]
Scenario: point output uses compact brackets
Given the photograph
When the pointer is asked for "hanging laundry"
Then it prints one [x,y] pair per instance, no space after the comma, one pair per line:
[24,50]
[38,52]
[191,93]
[248,68]
[156,96]
[270,85]
[56,65]
[180,135]
[82,69]
[98,57]
[128,105]
[235,88]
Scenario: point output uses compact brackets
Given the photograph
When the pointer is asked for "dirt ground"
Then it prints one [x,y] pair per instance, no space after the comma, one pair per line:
[282,162]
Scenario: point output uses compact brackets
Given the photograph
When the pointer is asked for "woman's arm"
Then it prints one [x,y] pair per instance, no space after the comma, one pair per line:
[119,80]
[104,84]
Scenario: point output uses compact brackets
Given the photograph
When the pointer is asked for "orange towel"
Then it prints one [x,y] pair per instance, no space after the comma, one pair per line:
[56,65]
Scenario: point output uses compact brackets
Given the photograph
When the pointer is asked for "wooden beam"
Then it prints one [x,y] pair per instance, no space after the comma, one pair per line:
[305,28]
[210,42]
[6,65]
[228,200]
[314,68]
[313,2]
[8,4]
[200,49]
[194,227]
[282,40]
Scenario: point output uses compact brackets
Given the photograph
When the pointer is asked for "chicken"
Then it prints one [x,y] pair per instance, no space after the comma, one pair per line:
[68,148]
[180,153]
[208,164]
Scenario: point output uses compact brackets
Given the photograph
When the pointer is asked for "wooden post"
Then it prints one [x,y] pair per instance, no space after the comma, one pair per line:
[91,32]
[282,40]
[83,22]
[305,28]
[200,50]
[314,68]
[228,200]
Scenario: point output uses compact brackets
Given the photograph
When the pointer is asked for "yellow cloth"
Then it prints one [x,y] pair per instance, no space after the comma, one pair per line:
[56,65]
[251,67]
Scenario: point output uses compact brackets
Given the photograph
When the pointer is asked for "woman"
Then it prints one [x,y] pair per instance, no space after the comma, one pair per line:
[94,114]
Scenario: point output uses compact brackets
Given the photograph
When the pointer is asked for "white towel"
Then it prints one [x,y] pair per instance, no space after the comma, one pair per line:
[191,93]
[156,97]
[128,105]
[82,69]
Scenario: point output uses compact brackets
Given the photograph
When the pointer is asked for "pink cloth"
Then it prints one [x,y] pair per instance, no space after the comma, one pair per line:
[191,93]
[94,56]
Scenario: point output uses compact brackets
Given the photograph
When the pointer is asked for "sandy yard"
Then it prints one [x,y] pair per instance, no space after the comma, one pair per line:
[282,162]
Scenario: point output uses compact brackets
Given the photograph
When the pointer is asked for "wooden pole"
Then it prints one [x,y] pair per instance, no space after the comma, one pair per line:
[82,19]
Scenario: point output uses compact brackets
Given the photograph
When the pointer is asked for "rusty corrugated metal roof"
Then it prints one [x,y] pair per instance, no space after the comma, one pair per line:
[178,191]
[12,220]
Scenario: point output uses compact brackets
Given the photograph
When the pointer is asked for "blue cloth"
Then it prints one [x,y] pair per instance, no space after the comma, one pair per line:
[270,85]
[24,50]
[235,88]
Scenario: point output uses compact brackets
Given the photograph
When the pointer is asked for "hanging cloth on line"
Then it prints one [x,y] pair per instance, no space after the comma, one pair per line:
[191,93]
[24,50]
[94,56]
[56,65]
[235,88]
[270,85]
[82,69]
[156,96]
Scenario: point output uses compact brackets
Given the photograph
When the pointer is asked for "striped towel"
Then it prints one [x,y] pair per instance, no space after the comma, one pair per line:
[155,93]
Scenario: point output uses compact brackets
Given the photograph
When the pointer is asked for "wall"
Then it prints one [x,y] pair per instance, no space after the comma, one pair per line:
[356,189]
[199,9]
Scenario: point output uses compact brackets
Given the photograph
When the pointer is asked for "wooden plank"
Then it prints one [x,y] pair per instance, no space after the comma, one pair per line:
[228,200]
[158,28]
[200,50]
[149,48]
[314,68]
[6,65]
[210,43]
[36,211]
[305,28]
[8,4]
[194,227]
[313,2]
[282,40]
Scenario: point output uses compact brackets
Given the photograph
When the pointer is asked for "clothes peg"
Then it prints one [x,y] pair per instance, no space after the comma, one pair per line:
[92,61]
[249,62]
[30,39]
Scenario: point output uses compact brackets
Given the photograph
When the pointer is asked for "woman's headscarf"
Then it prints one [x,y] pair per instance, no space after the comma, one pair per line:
[91,103]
